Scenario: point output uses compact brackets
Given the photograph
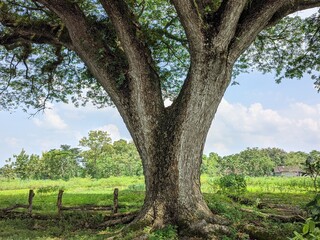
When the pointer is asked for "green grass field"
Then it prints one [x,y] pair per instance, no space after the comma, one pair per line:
[245,217]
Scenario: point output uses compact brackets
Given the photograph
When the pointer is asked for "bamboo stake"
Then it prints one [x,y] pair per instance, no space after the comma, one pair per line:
[30,199]
[115,200]
[59,202]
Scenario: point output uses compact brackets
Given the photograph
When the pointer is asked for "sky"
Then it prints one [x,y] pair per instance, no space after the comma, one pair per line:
[256,113]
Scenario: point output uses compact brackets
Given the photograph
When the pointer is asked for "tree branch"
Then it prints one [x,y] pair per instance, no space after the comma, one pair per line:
[138,55]
[260,15]
[35,33]
[191,19]
[230,13]
[88,44]
[291,7]
[144,78]
[252,21]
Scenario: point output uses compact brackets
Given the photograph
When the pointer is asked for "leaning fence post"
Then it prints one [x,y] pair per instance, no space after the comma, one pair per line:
[115,200]
[31,195]
[59,201]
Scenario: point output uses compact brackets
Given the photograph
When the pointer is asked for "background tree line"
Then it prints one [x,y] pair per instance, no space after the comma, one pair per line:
[256,162]
[100,157]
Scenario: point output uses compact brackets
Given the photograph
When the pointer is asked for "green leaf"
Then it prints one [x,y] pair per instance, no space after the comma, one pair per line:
[305,229]
[312,226]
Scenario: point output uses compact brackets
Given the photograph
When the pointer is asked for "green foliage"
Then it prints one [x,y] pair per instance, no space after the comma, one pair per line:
[255,162]
[105,159]
[279,184]
[309,231]
[312,167]
[210,164]
[295,158]
[313,208]
[168,233]
[21,165]
[98,142]
[250,162]
[8,171]
[278,49]
[49,189]
[233,183]
[167,40]
[36,70]
[82,191]
[278,156]
[61,163]
[137,187]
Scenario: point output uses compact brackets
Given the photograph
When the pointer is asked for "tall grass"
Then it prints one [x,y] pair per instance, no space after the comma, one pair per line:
[74,184]
[265,184]
[280,184]
[106,185]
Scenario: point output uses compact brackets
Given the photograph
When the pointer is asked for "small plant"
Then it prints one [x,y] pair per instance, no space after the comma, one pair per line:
[137,187]
[309,231]
[233,183]
[167,233]
[313,208]
[312,168]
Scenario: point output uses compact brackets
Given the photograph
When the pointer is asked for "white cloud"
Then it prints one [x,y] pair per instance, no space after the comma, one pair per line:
[51,119]
[113,130]
[237,126]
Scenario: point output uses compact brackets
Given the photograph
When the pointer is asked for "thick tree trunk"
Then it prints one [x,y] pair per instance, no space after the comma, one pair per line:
[172,152]
[172,177]
[173,193]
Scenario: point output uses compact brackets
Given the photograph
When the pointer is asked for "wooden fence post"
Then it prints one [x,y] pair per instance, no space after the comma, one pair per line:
[31,195]
[115,200]
[59,201]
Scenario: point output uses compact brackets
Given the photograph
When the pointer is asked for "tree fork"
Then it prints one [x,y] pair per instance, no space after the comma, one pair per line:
[172,176]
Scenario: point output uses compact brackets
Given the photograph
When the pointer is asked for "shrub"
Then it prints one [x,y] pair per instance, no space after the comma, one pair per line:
[233,183]
[313,208]
[309,231]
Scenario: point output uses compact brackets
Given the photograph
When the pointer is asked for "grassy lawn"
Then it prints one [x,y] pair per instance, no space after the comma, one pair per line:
[243,213]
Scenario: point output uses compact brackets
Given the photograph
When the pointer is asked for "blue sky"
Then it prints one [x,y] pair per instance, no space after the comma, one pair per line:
[256,113]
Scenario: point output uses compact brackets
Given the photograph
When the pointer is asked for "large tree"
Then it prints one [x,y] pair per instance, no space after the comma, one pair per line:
[141,52]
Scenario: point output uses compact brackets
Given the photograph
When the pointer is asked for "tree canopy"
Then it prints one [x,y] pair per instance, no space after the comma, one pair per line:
[38,63]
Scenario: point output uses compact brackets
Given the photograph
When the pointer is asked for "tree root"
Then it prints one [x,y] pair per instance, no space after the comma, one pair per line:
[115,219]
[4,210]
[87,208]
[204,230]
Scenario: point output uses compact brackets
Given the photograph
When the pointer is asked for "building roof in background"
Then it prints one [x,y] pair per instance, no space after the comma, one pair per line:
[280,169]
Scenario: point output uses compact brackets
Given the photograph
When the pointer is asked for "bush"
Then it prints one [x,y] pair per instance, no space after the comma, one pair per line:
[309,231]
[313,208]
[233,183]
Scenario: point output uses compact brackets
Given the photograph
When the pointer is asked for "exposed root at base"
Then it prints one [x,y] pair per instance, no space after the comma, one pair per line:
[118,219]
[204,230]
[211,229]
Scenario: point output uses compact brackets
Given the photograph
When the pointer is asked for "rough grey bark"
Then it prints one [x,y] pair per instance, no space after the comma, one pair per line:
[171,140]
